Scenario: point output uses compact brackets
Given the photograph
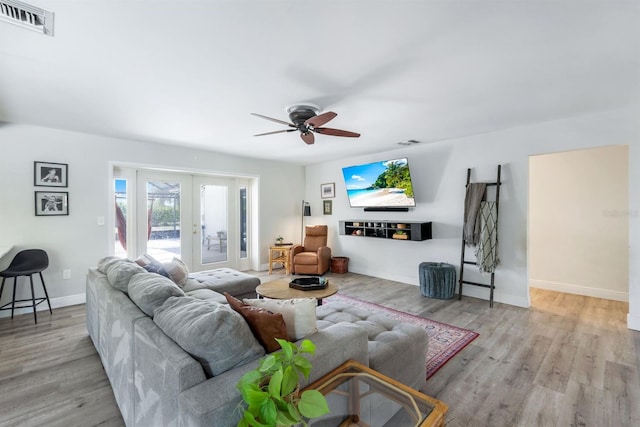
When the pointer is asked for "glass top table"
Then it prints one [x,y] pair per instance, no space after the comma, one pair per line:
[360,396]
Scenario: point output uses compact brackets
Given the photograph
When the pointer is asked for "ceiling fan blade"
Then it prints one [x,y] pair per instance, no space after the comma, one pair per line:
[276,131]
[321,119]
[273,120]
[307,137]
[336,132]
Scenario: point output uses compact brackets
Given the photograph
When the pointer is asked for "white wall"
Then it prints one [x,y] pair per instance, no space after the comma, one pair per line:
[439,172]
[578,222]
[438,169]
[76,242]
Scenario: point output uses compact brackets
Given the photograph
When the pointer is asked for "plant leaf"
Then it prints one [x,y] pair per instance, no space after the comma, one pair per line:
[306,346]
[313,404]
[267,363]
[293,412]
[289,381]
[251,377]
[303,365]
[284,418]
[287,348]
[255,397]
[268,413]
[249,420]
[275,383]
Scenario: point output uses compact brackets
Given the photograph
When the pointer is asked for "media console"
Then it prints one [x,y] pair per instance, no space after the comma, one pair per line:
[398,230]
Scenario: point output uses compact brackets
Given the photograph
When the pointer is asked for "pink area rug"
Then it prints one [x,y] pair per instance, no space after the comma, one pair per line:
[445,341]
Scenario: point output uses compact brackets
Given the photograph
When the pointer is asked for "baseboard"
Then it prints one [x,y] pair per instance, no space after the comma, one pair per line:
[580,290]
[55,303]
[471,291]
[633,322]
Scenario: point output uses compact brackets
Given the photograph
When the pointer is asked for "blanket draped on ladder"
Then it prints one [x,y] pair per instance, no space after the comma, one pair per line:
[471,229]
[487,249]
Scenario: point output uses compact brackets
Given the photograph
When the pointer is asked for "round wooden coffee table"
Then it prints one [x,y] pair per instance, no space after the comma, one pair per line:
[279,289]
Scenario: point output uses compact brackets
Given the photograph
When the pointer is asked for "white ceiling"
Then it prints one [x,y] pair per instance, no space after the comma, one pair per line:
[190,72]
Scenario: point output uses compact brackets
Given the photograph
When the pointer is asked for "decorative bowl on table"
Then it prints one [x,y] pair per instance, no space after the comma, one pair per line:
[309,283]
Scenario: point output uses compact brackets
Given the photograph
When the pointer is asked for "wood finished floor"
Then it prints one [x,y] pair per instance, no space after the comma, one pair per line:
[567,361]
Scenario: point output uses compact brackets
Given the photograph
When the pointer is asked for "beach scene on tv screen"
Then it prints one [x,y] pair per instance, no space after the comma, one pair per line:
[379,184]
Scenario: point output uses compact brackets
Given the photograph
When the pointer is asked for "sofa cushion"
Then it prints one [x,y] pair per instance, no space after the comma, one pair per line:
[223,280]
[149,291]
[385,336]
[207,294]
[105,262]
[299,314]
[213,333]
[265,325]
[120,273]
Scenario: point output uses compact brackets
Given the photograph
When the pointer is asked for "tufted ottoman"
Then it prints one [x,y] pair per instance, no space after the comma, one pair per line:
[395,348]
[237,283]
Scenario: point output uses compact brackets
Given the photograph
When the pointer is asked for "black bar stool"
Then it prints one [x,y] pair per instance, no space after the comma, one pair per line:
[26,263]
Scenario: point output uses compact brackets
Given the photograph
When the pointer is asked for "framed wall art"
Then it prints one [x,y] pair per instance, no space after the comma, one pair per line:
[47,174]
[328,190]
[326,207]
[52,203]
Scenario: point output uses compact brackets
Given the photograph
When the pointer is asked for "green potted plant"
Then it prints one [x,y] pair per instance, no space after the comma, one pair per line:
[271,393]
[279,240]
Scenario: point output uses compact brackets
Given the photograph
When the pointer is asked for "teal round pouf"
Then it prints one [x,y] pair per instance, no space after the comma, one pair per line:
[437,280]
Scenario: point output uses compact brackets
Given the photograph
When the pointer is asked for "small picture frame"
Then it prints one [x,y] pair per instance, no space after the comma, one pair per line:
[328,190]
[46,174]
[326,207]
[52,203]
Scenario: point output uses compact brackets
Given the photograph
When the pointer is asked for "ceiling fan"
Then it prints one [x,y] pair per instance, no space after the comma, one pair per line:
[305,119]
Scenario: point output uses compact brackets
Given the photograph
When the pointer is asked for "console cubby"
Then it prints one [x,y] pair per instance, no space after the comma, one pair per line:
[377,229]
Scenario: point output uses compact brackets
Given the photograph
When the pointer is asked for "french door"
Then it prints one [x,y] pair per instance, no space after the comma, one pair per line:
[199,219]
[163,215]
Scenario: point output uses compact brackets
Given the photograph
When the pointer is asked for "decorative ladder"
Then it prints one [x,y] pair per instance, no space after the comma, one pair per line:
[463,262]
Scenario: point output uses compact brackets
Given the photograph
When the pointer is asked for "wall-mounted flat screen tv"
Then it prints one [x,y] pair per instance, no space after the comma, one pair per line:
[385,184]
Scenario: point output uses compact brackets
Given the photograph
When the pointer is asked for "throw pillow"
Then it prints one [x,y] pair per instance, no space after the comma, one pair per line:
[213,333]
[120,273]
[265,325]
[299,314]
[150,264]
[149,291]
[177,271]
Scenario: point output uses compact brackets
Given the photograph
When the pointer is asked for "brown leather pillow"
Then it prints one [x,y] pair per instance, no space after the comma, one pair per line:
[265,325]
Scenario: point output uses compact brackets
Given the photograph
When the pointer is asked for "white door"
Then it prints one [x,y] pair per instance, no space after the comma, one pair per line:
[220,227]
[164,207]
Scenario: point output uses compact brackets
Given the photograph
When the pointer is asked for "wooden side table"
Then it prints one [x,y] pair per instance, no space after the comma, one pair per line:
[360,396]
[280,254]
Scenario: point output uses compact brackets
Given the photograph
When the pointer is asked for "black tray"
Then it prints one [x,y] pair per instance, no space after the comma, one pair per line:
[309,283]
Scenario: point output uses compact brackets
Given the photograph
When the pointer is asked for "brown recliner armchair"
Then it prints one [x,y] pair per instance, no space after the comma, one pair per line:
[314,257]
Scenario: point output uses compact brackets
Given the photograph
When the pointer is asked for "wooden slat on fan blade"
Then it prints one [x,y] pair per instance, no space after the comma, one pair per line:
[307,137]
[321,119]
[336,132]
[276,131]
[274,120]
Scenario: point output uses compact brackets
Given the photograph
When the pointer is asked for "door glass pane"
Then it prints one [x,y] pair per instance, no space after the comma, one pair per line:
[120,249]
[243,223]
[163,220]
[214,223]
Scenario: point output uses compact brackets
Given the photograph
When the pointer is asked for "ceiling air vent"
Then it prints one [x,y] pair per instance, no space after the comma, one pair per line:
[27,16]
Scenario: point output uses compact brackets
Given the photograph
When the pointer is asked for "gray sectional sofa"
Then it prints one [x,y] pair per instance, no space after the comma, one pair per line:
[189,379]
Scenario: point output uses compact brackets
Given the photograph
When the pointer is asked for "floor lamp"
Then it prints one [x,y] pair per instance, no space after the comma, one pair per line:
[306,211]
